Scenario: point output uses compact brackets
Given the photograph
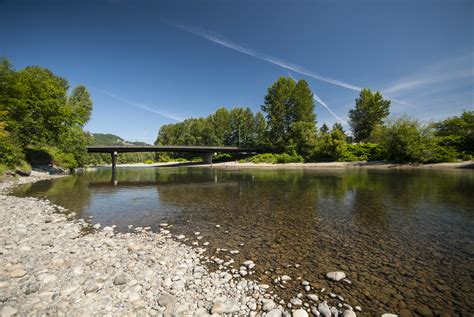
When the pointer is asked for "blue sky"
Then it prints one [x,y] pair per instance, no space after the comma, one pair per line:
[148,63]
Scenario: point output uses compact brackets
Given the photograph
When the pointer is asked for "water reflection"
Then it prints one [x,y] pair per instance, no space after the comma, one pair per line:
[403,236]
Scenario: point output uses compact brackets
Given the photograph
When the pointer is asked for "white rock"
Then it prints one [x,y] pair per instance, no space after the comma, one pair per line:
[349,313]
[336,276]
[300,313]
[313,297]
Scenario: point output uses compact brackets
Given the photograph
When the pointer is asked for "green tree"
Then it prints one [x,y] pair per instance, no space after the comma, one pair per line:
[457,131]
[330,146]
[219,124]
[278,102]
[338,126]
[407,140]
[370,111]
[324,129]
[80,105]
[260,129]
[289,109]
[36,107]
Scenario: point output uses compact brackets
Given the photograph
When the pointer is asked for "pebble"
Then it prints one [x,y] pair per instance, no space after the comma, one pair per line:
[300,313]
[8,311]
[336,276]
[313,297]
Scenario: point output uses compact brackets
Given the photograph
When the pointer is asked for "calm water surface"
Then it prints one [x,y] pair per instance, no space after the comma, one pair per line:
[404,237]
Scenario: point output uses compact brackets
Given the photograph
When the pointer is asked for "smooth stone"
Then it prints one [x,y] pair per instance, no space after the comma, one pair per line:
[285,278]
[336,276]
[300,313]
[120,280]
[389,315]
[313,297]
[349,313]
[274,313]
[8,311]
[296,302]
[218,308]
[17,273]
[324,310]
[167,300]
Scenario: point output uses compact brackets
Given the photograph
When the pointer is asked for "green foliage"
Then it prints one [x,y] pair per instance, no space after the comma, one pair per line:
[275,158]
[362,152]
[4,169]
[24,166]
[369,112]
[457,132]
[10,153]
[80,104]
[47,155]
[37,112]
[330,146]
[162,157]
[407,140]
[291,121]
[324,128]
[149,162]
[238,126]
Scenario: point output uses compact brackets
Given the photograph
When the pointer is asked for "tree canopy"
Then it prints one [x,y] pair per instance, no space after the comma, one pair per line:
[38,111]
[370,110]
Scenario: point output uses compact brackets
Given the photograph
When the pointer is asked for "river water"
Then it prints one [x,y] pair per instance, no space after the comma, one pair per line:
[405,238]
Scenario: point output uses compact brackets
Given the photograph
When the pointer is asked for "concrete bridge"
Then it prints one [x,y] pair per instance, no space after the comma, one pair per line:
[206,152]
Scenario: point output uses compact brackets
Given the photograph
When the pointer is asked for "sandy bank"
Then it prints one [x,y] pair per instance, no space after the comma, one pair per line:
[336,165]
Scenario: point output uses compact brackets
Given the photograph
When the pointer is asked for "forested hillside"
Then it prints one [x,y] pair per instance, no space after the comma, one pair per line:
[123,158]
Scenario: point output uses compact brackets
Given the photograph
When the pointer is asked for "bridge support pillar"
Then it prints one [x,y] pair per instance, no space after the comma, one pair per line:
[207,158]
[114,160]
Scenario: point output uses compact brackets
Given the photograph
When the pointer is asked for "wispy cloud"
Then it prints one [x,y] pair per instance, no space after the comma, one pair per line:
[318,99]
[458,68]
[139,105]
[267,58]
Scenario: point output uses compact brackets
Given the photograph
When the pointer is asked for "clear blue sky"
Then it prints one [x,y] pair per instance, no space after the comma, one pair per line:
[148,63]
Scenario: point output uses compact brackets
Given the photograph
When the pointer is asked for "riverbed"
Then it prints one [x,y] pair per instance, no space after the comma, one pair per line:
[403,237]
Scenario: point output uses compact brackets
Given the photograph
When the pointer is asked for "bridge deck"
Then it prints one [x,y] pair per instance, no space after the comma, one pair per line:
[172,148]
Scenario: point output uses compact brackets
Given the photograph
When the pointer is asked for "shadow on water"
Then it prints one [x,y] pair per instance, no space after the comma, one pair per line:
[404,237]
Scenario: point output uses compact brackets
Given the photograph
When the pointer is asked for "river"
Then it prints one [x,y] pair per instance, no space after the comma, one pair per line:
[404,238]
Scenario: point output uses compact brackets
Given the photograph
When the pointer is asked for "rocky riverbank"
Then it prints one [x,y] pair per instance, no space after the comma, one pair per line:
[49,267]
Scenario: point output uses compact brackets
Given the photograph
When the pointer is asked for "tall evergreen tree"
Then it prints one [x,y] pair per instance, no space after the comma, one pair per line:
[324,128]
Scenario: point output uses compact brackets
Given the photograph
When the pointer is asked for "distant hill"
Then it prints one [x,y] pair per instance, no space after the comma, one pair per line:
[112,139]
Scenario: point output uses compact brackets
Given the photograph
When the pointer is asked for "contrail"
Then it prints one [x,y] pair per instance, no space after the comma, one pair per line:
[138,105]
[267,58]
[318,99]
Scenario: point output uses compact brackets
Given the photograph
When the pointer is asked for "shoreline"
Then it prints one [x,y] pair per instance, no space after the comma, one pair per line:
[466,165]
[47,266]
[345,165]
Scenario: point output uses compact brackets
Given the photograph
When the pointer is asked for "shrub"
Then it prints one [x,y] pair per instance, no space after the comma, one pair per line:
[274,158]
[10,153]
[47,155]
[149,162]
[362,152]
